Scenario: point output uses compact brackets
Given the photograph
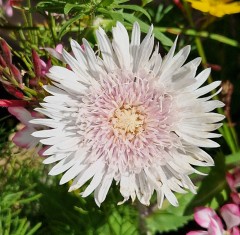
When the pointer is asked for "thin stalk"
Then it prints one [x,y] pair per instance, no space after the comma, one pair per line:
[229,132]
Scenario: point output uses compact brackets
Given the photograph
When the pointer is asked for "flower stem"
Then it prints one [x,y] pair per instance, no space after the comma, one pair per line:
[227,131]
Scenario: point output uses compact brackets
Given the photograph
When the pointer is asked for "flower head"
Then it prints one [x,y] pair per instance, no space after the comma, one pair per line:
[128,116]
[216,8]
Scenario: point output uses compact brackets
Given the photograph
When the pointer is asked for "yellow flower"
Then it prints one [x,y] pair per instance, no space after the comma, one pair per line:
[216,8]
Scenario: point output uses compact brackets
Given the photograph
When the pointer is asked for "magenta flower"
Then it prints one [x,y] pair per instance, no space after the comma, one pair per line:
[208,219]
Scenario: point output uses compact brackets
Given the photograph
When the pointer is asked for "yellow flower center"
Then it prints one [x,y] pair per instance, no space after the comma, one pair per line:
[127,122]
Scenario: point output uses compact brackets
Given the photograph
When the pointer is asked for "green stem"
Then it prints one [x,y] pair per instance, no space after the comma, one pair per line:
[228,132]
[53,28]
[29,90]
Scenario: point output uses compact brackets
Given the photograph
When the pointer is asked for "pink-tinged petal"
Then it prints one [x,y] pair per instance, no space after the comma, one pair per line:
[237,177]
[235,197]
[230,181]
[231,215]
[42,150]
[24,139]
[203,215]
[21,114]
[54,53]
[12,103]
[59,48]
[235,231]
[215,228]
[200,232]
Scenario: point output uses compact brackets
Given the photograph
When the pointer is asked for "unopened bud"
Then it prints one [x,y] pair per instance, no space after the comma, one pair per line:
[16,73]
[36,63]
[7,56]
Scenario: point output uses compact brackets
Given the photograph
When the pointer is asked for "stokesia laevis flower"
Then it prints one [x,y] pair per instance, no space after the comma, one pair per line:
[128,116]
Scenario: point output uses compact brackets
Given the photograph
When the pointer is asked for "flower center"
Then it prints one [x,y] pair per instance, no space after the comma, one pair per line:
[127,122]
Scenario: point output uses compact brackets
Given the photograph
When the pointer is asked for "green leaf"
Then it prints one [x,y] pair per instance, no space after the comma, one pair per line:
[68,7]
[165,222]
[122,220]
[106,3]
[233,158]
[115,15]
[145,27]
[63,30]
[212,186]
[169,217]
[135,8]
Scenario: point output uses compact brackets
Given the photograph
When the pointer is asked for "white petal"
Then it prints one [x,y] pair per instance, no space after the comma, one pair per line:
[120,44]
[106,49]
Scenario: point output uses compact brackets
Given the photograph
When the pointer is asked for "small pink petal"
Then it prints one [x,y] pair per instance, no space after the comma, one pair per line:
[215,228]
[59,48]
[235,231]
[42,150]
[230,181]
[231,215]
[200,232]
[235,197]
[203,215]
[54,53]
[24,139]
[21,114]
[9,10]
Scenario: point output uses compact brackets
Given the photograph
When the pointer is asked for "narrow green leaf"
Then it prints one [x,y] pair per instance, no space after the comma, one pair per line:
[68,23]
[106,3]
[68,7]
[34,229]
[115,15]
[233,159]
[135,8]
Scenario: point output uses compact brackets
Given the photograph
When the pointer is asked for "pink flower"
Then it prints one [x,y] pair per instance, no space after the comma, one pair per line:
[233,180]
[7,8]
[207,218]
[231,215]
[23,138]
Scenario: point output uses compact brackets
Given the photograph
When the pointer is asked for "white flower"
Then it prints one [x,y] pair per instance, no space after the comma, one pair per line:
[128,116]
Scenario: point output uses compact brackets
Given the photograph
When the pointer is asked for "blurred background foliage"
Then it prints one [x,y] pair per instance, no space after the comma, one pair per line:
[33,203]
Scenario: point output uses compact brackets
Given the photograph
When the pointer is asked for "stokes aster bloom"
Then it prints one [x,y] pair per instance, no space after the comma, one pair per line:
[128,116]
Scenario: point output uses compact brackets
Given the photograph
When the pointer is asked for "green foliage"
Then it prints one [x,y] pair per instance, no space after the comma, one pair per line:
[170,218]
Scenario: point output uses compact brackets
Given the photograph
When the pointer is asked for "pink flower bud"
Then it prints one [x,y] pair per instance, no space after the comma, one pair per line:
[13,91]
[7,56]
[16,73]
[13,103]
[2,62]
[36,63]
